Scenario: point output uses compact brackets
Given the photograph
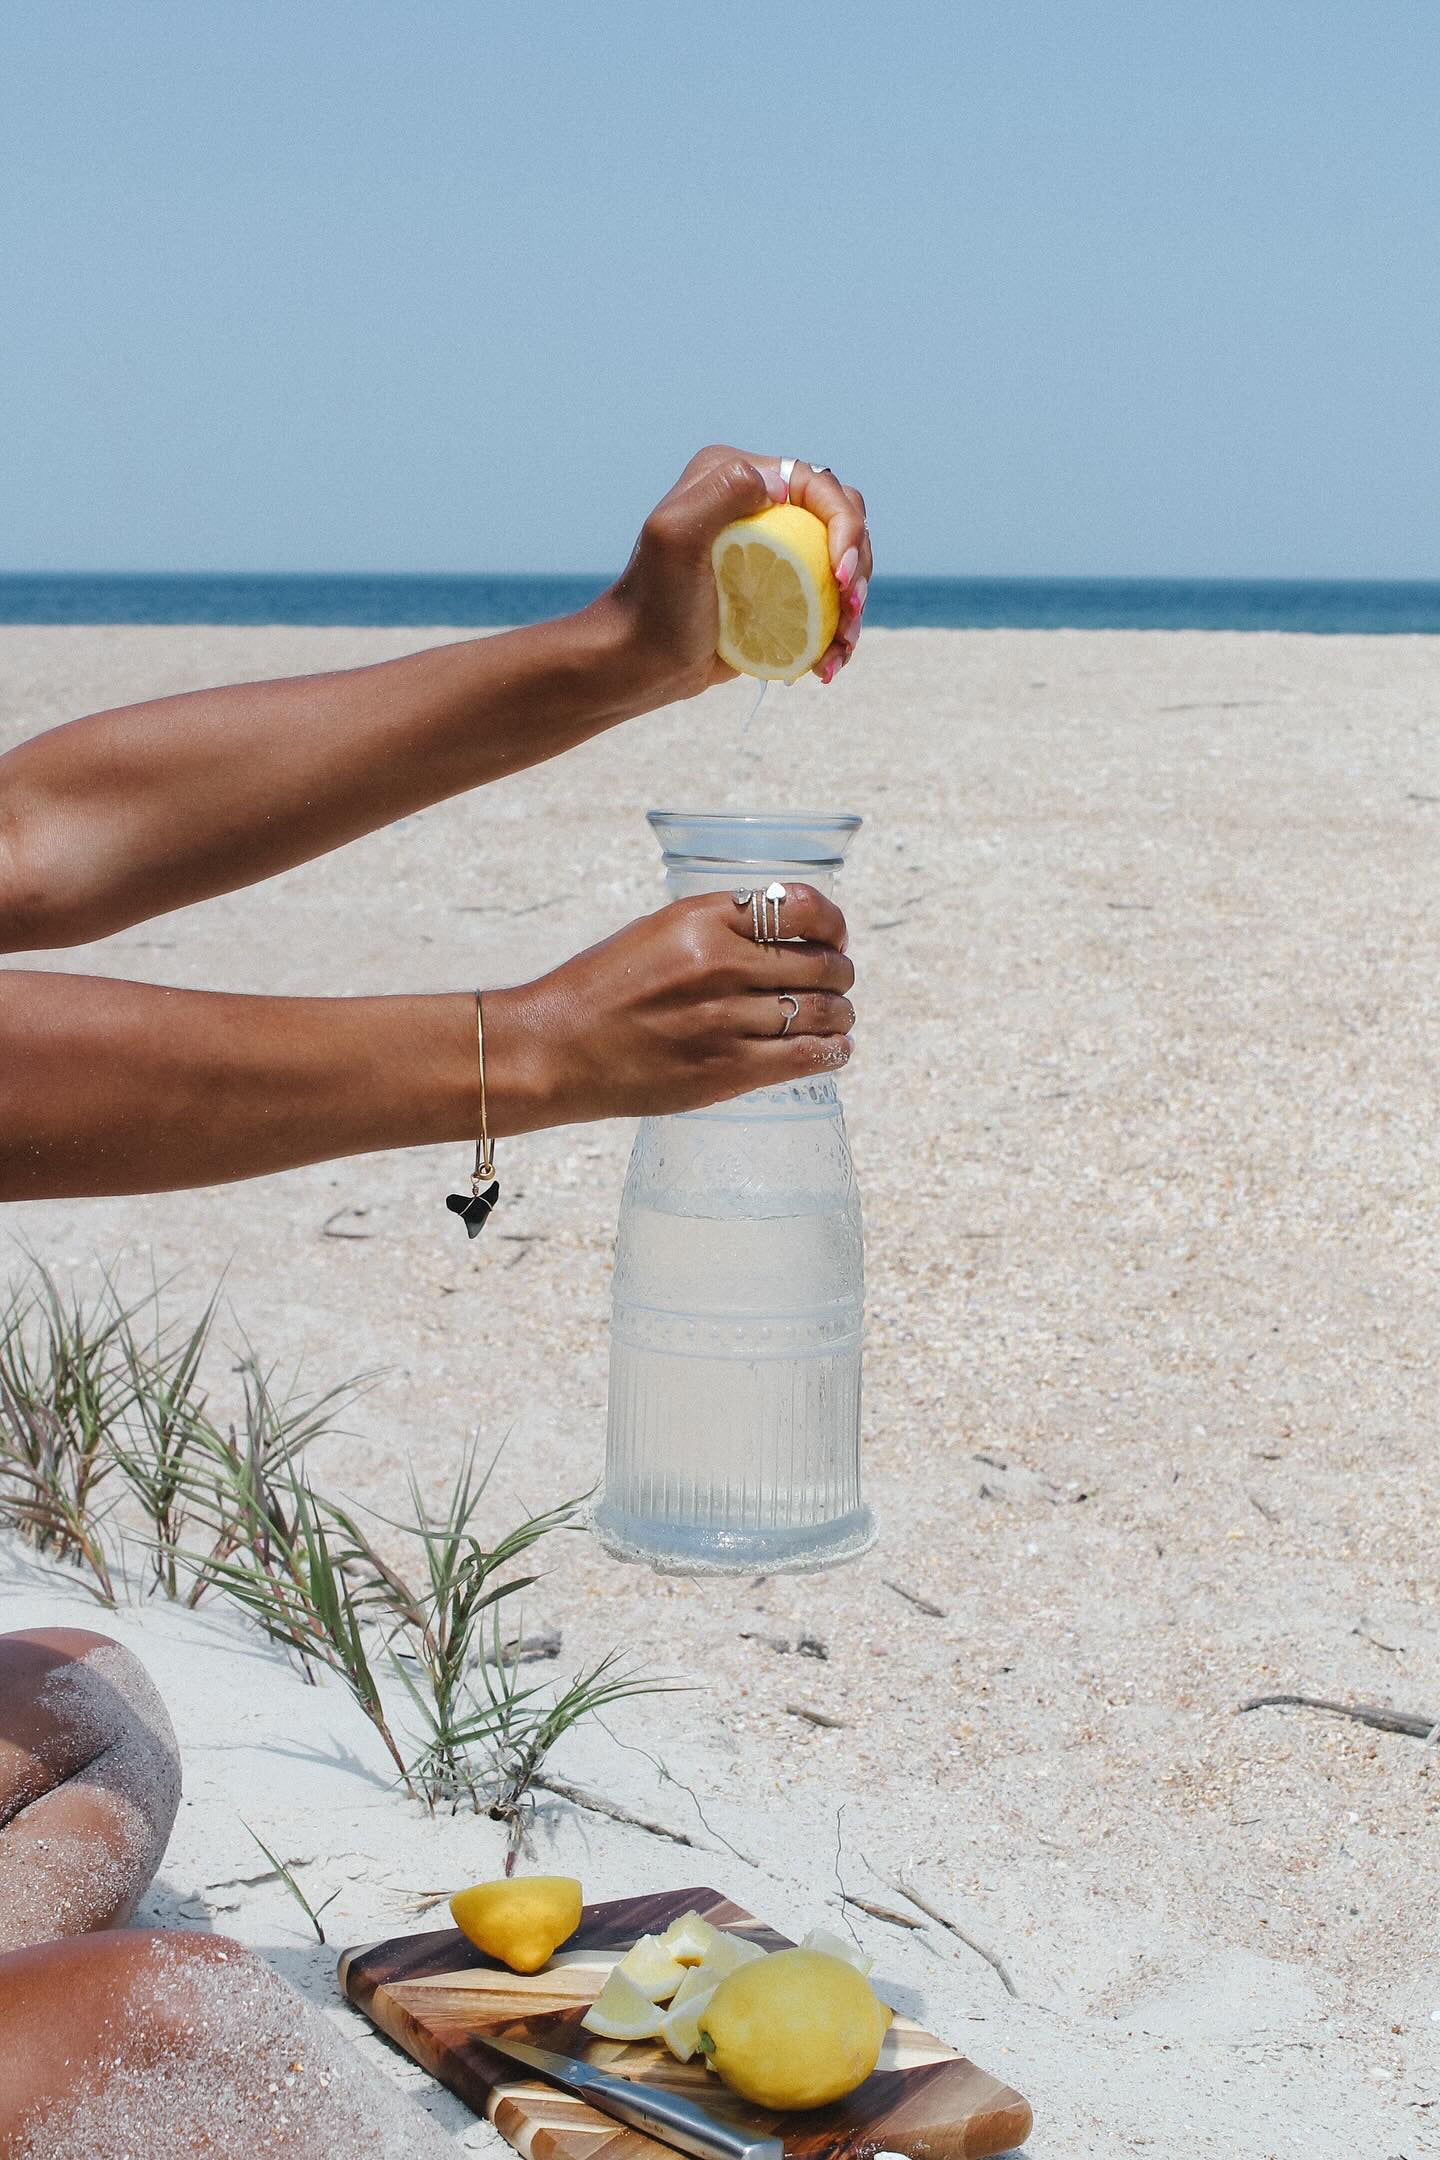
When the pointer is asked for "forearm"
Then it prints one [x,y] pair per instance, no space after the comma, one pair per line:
[120,1087]
[129,813]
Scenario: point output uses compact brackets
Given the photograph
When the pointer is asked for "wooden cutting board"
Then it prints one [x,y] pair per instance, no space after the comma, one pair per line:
[438,1997]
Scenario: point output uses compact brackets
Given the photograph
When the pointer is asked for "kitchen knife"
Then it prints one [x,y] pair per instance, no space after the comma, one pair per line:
[648,2108]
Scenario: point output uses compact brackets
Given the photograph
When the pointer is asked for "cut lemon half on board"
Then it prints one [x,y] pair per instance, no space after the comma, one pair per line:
[779,603]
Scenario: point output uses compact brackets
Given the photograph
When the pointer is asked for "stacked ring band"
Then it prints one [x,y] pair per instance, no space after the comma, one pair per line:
[764,912]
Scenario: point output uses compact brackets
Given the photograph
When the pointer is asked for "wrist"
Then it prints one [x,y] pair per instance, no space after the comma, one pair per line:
[636,675]
[520,1073]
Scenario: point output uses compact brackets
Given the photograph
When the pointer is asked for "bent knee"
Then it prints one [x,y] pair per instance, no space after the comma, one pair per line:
[89,1784]
[70,1697]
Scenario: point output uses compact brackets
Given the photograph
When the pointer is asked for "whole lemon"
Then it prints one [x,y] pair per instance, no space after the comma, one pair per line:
[520,1921]
[794,2030]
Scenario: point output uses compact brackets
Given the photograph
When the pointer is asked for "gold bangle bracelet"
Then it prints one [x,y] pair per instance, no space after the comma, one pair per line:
[484,1150]
[474,1207]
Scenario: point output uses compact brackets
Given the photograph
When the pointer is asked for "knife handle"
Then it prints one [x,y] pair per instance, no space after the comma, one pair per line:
[676,2121]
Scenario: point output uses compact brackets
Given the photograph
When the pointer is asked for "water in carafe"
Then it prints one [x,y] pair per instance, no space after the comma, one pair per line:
[735,1352]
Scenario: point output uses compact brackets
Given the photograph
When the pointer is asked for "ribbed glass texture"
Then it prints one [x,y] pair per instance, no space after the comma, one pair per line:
[735,1347]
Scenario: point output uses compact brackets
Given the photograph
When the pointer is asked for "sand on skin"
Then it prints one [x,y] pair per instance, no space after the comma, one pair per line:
[1145,1114]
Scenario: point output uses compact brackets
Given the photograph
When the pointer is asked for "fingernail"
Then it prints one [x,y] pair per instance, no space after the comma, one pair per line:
[827,673]
[857,592]
[846,567]
[775,487]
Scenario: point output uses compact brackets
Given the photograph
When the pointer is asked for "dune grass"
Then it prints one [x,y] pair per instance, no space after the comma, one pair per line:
[112,1453]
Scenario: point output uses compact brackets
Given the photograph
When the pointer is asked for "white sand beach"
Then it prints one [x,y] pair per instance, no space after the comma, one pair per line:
[1145,1114]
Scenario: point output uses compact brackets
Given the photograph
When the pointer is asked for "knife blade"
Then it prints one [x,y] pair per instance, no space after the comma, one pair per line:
[649,2108]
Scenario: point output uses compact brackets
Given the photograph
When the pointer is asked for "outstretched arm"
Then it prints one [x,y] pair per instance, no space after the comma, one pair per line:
[118,1087]
[127,814]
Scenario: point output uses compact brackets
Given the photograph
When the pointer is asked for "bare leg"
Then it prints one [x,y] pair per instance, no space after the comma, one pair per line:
[129,2043]
[168,2046]
[89,1784]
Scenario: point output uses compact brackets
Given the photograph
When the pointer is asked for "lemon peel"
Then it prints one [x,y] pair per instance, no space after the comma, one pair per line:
[522,1920]
[795,2030]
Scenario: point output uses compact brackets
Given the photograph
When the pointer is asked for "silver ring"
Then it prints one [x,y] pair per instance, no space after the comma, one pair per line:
[741,897]
[774,899]
[787,468]
[794,1003]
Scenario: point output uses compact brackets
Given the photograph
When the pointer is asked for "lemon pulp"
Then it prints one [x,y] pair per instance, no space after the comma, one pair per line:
[779,604]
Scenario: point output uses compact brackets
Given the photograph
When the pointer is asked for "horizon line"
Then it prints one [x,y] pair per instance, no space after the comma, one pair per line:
[881,577]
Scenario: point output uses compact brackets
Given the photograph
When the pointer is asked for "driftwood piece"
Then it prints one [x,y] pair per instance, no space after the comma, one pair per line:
[926,1605]
[953,1927]
[815,1717]
[1415,1725]
[595,1804]
[882,1912]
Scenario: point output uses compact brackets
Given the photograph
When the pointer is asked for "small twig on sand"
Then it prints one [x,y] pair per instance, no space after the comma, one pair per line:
[1391,1649]
[808,1645]
[1415,1725]
[668,1777]
[913,1597]
[839,1876]
[815,1717]
[882,1912]
[953,1927]
[327,1228]
[531,1649]
[595,1805]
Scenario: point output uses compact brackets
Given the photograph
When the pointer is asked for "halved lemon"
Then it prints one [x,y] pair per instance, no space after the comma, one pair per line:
[621,2012]
[779,603]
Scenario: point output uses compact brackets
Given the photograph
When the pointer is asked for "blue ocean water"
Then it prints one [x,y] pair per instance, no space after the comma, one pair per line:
[1324,607]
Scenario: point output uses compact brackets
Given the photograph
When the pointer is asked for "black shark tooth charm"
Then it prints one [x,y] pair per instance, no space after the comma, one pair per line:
[474,1208]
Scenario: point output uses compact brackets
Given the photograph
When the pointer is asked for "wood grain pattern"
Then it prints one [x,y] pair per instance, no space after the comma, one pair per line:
[437,1997]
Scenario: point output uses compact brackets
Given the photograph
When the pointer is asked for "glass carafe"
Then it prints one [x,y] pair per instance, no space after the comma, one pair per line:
[735,1337]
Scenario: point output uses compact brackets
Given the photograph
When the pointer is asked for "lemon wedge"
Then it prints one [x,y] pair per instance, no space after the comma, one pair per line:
[688,1938]
[727,1954]
[835,1946]
[651,1968]
[621,2012]
[695,1984]
[779,604]
[680,2027]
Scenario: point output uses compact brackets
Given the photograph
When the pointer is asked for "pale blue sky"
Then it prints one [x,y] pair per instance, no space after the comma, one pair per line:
[1068,286]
